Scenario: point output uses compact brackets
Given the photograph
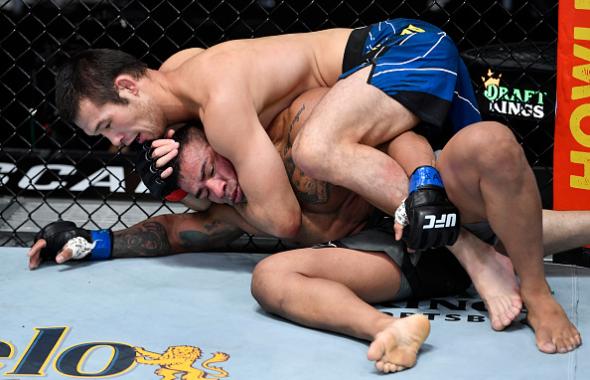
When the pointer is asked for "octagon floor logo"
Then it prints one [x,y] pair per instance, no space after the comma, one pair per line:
[176,362]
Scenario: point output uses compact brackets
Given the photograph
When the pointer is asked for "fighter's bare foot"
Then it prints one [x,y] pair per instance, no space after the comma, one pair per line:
[396,346]
[553,330]
[493,276]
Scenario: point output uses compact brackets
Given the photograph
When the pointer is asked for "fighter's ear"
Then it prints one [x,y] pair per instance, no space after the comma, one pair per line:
[125,82]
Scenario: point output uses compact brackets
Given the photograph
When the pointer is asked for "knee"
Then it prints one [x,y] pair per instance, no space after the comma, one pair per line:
[498,151]
[503,150]
[311,157]
[265,286]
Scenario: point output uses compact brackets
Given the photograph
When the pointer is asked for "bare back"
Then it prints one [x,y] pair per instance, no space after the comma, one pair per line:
[272,70]
[236,88]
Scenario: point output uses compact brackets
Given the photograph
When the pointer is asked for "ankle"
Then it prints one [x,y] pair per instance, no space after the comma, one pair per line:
[381,323]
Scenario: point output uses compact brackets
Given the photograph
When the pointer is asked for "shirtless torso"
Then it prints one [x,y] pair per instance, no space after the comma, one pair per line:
[236,89]
[270,72]
[328,212]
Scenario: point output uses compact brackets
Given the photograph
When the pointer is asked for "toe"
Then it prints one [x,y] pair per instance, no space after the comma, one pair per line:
[545,343]
[380,366]
[375,351]
[546,347]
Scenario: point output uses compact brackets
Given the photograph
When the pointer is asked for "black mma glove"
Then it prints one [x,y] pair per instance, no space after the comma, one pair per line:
[160,188]
[97,245]
[432,220]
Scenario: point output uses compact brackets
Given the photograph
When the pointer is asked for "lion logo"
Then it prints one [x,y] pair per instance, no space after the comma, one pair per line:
[179,360]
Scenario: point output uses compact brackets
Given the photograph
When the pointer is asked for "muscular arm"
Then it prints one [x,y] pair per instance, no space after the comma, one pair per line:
[169,234]
[411,150]
[234,131]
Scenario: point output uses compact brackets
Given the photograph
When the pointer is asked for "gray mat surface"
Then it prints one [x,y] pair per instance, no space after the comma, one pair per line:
[76,320]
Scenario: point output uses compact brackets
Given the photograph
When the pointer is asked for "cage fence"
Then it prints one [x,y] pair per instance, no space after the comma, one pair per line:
[51,170]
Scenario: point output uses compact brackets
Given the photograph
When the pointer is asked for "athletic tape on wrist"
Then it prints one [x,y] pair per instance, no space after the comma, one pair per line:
[103,245]
[425,176]
[401,217]
[80,247]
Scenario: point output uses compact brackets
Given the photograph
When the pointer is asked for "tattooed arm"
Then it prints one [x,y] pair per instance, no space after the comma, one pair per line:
[178,233]
[158,236]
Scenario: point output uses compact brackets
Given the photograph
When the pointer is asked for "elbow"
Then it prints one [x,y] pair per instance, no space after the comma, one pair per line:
[288,227]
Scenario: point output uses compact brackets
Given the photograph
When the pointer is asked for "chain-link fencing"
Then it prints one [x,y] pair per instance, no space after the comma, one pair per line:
[51,170]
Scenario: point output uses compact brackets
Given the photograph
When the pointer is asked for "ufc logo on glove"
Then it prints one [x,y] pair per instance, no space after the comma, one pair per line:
[446,220]
[430,219]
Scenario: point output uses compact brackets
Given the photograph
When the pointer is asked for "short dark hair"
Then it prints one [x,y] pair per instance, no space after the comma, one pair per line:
[184,135]
[91,74]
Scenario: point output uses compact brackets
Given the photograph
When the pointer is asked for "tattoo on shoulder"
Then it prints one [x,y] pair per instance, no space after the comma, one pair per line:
[148,239]
[307,190]
[292,124]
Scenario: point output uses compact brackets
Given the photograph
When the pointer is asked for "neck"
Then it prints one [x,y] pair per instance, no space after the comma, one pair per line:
[175,110]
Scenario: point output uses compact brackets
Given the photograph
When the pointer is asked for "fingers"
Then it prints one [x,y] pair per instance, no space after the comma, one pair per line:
[34,254]
[398,230]
[164,150]
[163,142]
[170,133]
[37,247]
[165,159]
[63,256]
[166,173]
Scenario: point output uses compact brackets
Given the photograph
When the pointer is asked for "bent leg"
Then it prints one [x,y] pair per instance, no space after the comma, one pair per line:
[487,177]
[336,144]
[331,288]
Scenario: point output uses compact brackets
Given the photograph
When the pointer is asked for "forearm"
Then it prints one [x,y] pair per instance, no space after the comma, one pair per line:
[410,151]
[171,234]
[145,239]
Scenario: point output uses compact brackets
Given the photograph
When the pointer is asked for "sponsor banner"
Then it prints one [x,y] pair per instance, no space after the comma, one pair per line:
[83,175]
[47,356]
[53,352]
[519,91]
[452,310]
[508,100]
[572,128]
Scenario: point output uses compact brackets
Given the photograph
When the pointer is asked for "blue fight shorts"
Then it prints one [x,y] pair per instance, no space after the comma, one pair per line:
[418,65]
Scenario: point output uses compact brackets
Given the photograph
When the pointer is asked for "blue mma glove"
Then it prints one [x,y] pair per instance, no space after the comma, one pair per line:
[432,220]
[160,188]
[96,245]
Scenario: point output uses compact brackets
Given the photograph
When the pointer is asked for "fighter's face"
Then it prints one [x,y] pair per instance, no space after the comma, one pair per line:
[208,175]
[122,123]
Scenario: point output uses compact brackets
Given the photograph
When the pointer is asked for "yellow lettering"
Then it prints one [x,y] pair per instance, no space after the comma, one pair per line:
[581,73]
[578,182]
[582,4]
[580,92]
[582,111]
[581,33]
[582,52]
